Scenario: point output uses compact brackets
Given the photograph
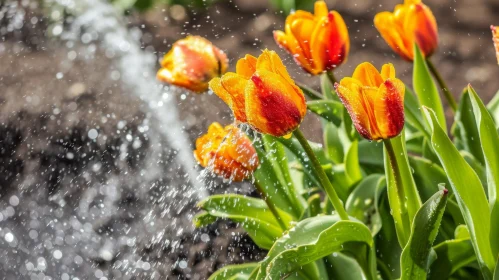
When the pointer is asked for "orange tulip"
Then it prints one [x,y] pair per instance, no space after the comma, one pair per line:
[318,41]
[410,22]
[374,101]
[495,39]
[192,63]
[262,94]
[228,152]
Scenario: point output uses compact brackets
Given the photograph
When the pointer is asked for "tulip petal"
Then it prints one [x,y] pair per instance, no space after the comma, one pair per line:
[320,9]
[230,88]
[423,25]
[391,30]
[246,66]
[389,108]
[388,71]
[368,75]
[350,95]
[273,105]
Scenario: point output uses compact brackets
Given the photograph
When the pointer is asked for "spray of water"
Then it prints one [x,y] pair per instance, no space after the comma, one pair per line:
[99,19]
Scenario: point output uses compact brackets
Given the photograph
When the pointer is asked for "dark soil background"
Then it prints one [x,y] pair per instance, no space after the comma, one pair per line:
[50,171]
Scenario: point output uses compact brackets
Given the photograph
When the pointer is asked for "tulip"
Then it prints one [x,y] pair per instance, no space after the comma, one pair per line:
[495,39]
[411,22]
[228,152]
[192,63]
[262,94]
[375,101]
[319,42]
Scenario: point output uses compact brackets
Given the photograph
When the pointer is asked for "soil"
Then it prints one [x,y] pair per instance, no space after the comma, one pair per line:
[76,207]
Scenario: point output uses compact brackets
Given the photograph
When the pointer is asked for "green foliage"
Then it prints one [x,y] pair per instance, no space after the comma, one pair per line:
[416,254]
[239,271]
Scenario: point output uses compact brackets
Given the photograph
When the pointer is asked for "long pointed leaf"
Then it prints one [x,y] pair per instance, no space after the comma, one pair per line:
[425,88]
[489,140]
[451,256]
[469,192]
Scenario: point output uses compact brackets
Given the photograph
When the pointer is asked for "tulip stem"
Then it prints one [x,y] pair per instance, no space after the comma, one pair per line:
[312,94]
[442,84]
[323,179]
[271,205]
[331,77]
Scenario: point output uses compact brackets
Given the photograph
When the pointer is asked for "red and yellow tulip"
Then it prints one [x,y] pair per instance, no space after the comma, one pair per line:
[411,22]
[318,41]
[374,100]
[192,63]
[227,152]
[262,94]
[495,39]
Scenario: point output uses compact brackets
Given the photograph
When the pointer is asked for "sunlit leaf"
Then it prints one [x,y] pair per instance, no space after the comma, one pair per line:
[489,140]
[313,239]
[425,88]
[252,213]
[231,271]
[469,193]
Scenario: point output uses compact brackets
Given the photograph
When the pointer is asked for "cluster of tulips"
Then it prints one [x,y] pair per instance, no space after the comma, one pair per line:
[405,197]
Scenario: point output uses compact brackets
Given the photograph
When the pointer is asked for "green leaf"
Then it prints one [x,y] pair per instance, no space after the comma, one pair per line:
[314,207]
[313,239]
[425,88]
[329,110]
[276,155]
[252,213]
[327,88]
[402,193]
[332,142]
[469,193]
[341,267]
[361,202]
[451,256]
[231,271]
[425,227]
[412,112]
[266,175]
[352,166]
[496,271]
[465,127]
[427,176]
[388,249]
[493,107]
[372,156]
[489,140]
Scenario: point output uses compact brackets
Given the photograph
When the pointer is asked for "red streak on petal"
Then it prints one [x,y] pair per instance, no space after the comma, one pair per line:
[395,108]
[282,116]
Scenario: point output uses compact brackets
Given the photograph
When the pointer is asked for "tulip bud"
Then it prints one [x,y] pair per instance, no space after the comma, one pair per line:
[411,22]
[228,152]
[192,63]
[262,94]
[318,42]
[375,101]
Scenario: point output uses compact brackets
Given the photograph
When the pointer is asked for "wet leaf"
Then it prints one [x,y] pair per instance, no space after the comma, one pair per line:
[469,193]
[451,256]
[252,213]
[240,271]
[329,110]
[414,260]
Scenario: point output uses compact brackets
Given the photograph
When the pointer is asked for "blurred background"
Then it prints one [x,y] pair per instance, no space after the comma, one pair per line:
[97,177]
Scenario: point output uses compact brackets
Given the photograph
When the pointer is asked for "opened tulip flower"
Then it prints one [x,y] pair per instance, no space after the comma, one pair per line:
[228,152]
[262,94]
[374,100]
[318,41]
[192,63]
[411,22]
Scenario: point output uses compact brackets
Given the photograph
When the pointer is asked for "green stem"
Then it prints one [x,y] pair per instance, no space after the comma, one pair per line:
[324,180]
[394,163]
[271,205]
[442,84]
[331,77]
[312,94]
